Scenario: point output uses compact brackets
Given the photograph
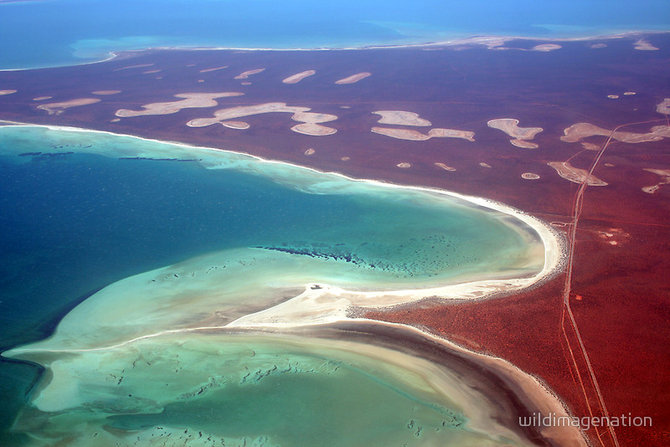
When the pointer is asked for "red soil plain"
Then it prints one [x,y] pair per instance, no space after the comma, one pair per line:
[618,288]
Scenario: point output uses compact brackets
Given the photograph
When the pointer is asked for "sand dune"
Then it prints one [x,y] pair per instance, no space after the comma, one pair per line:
[401,118]
[189,101]
[575,175]
[353,78]
[415,135]
[310,121]
[246,74]
[579,131]
[294,79]
[56,108]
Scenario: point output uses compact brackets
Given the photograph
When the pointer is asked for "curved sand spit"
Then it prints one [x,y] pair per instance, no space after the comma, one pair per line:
[246,74]
[415,135]
[310,120]
[294,79]
[401,118]
[519,135]
[579,131]
[575,175]
[56,108]
[353,78]
[189,101]
[327,304]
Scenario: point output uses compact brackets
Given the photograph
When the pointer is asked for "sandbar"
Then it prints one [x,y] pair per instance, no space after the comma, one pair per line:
[310,151]
[644,45]
[511,127]
[353,78]
[129,67]
[404,165]
[629,93]
[575,175]
[240,125]
[579,131]
[401,118]
[445,167]
[529,176]
[415,135]
[56,108]
[310,121]
[546,47]
[189,101]
[42,98]
[485,165]
[294,79]
[664,107]
[246,74]
[665,180]
[523,144]
[105,92]
[207,70]
[613,96]
[7,92]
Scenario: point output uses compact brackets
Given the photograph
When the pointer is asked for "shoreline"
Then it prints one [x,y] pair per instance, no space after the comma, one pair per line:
[483,40]
[554,247]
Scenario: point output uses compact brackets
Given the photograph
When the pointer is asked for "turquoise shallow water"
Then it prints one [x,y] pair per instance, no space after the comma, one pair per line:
[81,211]
[61,32]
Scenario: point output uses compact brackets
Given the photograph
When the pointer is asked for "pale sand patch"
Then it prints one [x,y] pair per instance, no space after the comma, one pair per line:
[189,101]
[309,120]
[590,146]
[613,96]
[7,92]
[345,158]
[530,176]
[485,165]
[511,127]
[42,98]
[643,45]
[240,125]
[665,180]
[546,47]
[353,78]
[415,135]
[598,45]
[575,175]
[151,72]
[664,106]
[629,93]
[246,74]
[401,118]
[245,83]
[523,144]
[310,151]
[105,92]
[207,70]
[129,67]
[404,165]
[609,165]
[294,79]
[345,107]
[577,132]
[115,120]
[445,167]
[56,108]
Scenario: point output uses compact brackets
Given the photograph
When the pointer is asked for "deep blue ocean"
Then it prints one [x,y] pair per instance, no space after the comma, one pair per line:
[62,32]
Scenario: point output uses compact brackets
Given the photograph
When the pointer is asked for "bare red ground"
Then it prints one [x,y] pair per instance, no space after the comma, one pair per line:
[620,294]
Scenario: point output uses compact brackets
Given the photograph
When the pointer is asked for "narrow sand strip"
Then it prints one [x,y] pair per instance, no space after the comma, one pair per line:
[56,108]
[445,167]
[42,98]
[7,92]
[130,67]
[546,47]
[575,175]
[401,118]
[246,74]
[190,101]
[105,92]
[353,78]
[207,70]
[579,131]
[294,79]
[523,144]
[415,135]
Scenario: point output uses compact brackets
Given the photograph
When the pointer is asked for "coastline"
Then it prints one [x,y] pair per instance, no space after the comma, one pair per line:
[456,41]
